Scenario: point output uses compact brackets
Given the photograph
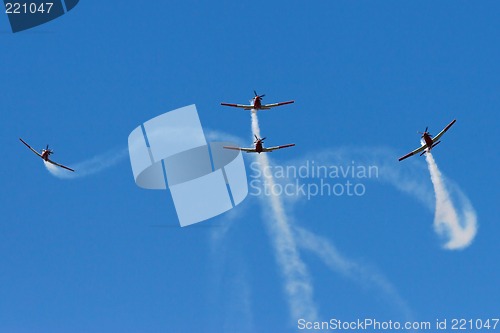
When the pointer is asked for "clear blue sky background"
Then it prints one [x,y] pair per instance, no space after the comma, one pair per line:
[98,254]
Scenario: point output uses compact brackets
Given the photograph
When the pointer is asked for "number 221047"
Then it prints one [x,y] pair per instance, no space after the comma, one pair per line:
[478,324]
[28,8]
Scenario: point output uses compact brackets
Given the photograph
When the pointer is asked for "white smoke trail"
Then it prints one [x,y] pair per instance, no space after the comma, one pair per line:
[215,135]
[298,286]
[334,260]
[460,231]
[89,167]
[410,180]
[321,246]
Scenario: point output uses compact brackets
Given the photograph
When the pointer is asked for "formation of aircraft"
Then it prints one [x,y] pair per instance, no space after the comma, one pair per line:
[45,155]
[428,142]
[259,148]
[256,104]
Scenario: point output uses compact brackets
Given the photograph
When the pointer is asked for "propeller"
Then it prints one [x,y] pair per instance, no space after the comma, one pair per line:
[257,95]
[258,139]
[425,132]
[48,150]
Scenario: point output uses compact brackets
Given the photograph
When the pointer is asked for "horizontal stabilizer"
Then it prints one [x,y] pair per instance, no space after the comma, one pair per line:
[434,145]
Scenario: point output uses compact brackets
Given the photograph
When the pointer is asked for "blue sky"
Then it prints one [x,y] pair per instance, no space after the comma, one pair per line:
[99,254]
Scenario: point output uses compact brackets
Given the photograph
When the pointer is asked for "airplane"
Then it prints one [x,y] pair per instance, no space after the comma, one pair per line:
[259,148]
[256,103]
[45,155]
[428,142]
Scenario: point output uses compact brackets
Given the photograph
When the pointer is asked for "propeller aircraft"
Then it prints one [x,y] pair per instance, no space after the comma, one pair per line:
[258,147]
[45,153]
[428,141]
[256,103]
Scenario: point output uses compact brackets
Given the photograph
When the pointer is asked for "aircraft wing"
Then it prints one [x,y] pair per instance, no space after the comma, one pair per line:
[416,151]
[248,150]
[268,106]
[60,165]
[33,150]
[440,134]
[242,106]
[270,149]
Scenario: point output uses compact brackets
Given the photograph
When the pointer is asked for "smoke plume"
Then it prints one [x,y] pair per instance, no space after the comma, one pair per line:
[90,166]
[298,286]
[460,230]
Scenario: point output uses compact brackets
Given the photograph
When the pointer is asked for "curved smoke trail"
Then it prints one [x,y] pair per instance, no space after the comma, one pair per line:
[290,239]
[460,230]
[90,166]
[337,262]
